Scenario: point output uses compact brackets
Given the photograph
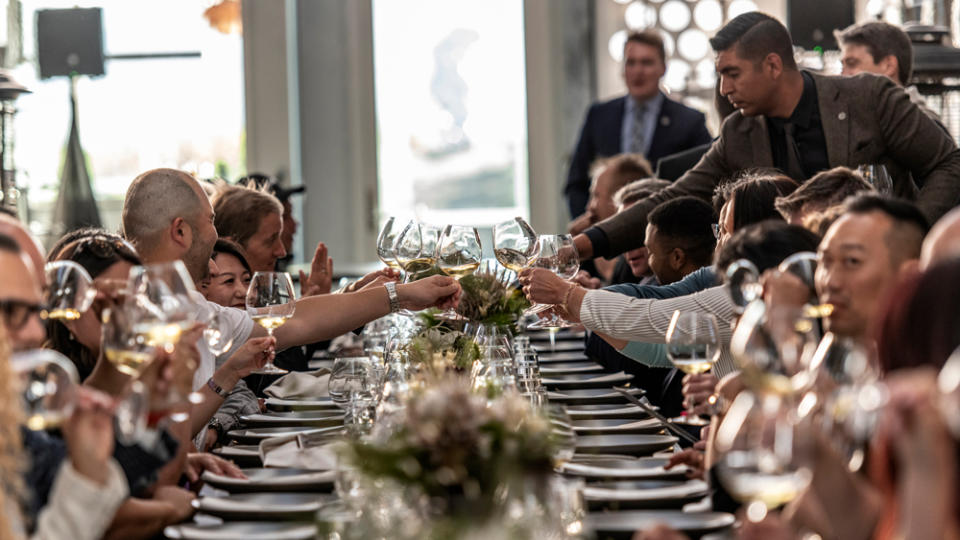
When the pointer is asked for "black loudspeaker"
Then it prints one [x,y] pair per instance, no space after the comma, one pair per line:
[812,22]
[70,41]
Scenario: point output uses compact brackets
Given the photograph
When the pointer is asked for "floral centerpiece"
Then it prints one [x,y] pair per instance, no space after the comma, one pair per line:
[456,458]
[489,298]
[438,350]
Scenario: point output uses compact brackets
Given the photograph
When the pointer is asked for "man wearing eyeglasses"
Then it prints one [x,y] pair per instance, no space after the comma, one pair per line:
[20,298]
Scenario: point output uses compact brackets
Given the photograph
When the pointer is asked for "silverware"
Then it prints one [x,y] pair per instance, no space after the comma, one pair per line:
[675,429]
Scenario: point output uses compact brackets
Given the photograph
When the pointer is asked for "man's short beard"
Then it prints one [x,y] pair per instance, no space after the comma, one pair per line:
[197,263]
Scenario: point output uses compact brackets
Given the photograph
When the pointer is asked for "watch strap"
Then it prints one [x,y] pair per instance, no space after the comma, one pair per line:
[394,297]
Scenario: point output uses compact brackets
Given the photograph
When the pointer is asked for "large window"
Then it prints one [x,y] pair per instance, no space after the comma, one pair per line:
[185,113]
[451,109]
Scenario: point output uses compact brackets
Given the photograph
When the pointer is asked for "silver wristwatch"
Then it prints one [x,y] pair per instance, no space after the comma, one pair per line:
[394,297]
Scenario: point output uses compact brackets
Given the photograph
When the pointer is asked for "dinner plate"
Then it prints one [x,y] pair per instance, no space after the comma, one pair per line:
[588,466]
[558,336]
[294,418]
[244,455]
[571,356]
[617,425]
[607,410]
[647,493]
[263,506]
[570,368]
[587,396]
[559,347]
[623,444]
[294,404]
[255,435]
[264,480]
[586,380]
[623,524]
[239,529]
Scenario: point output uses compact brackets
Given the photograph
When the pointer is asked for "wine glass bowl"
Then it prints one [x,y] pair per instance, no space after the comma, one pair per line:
[459,251]
[414,252]
[693,346]
[877,176]
[515,244]
[47,382]
[387,242]
[70,293]
[271,301]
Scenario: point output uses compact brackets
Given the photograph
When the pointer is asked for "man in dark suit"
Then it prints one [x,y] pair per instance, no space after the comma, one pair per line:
[644,121]
[801,123]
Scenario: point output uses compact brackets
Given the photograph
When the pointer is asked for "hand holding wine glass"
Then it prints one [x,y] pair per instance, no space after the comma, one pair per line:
[693,346]
[270,303]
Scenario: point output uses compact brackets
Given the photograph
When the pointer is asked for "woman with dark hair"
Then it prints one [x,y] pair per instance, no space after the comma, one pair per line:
[229,286]
[749,199]
[108,259]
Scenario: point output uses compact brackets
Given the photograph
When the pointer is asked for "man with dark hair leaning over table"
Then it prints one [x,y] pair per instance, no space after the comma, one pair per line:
[801,123]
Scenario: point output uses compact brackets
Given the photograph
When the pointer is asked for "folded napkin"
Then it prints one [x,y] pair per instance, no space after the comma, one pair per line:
[300,451]
[301,384]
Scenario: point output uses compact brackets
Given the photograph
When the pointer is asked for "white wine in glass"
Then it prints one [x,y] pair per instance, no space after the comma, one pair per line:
[387,242]
[271,301]
[459,251]
[413,252]
[71,291]
[693,346]
[515,244]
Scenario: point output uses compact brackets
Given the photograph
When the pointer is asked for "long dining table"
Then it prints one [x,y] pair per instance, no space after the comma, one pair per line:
[620,455]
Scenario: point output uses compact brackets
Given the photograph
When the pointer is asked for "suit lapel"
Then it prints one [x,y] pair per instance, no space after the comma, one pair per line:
[834,119]
[661,131]
[616,135]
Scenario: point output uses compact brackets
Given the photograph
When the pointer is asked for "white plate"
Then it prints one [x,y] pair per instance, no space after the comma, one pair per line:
[650,467]
[645,493]
[560,347]
[239,529]
[626,523]
[263,506]
[623,444]
[255,435]
[587,380]
[278,404]
[626,410]
[294,419]
[263,480]
[617,425]
[571,368]
[591,396]
[548,358]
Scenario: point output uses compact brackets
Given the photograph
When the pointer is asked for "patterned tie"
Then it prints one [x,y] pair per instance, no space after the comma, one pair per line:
[638,143]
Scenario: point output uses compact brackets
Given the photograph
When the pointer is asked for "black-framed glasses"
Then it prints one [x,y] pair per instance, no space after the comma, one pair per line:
[715,227]
[16,313]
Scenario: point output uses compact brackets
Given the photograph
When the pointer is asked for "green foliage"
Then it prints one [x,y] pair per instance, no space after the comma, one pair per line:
[486,299]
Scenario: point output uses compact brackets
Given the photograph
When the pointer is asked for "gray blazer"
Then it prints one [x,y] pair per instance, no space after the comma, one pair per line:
[866,119]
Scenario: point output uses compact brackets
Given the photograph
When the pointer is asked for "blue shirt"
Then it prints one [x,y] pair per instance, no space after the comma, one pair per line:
[649,122]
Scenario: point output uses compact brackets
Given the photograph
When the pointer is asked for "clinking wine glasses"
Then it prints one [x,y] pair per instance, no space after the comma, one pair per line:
[559,255]
[415,250]
[515,244]
[458,254]
[387,242]
[271,301]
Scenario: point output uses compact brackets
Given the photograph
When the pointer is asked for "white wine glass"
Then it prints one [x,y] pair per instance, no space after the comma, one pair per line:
[215,336]
[167,302]
[568,265]
[70,293]
[271,301]
[458,254]
[387,242]
[129,353]
[412,253]
[878,177]
[693,347]
[764,453]
[515,244]
[48,383]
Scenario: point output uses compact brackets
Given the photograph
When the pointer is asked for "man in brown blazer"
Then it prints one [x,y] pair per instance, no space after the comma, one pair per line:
[801,123]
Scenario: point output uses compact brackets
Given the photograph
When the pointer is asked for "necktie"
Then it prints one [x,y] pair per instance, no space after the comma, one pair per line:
[639,142]
[794,168]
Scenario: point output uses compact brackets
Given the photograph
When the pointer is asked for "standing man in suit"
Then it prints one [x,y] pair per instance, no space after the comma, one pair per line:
[644,121]
[801,123]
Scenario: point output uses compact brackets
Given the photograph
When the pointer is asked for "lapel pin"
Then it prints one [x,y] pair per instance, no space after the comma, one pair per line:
[664,121]
[842,116]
